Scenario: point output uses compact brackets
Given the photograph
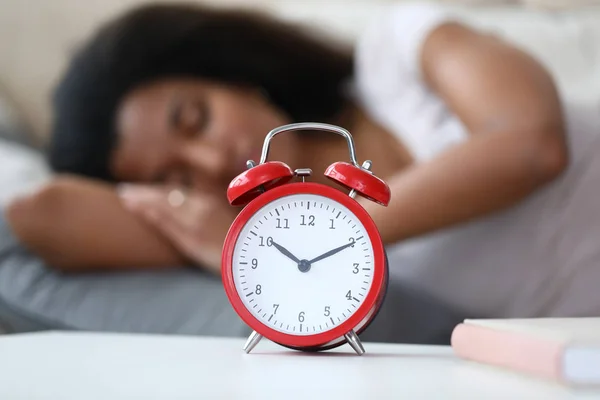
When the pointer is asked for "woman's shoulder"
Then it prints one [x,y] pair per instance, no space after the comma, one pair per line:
[395,36]
[390,84]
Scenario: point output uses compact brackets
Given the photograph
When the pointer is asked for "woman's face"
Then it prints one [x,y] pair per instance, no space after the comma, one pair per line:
[195,133]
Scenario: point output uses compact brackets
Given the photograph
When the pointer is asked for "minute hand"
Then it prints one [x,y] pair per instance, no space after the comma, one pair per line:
[331,252]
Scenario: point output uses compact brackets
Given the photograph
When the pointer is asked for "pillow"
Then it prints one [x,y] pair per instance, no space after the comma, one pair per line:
[23,170]
[12,126]
[22,167]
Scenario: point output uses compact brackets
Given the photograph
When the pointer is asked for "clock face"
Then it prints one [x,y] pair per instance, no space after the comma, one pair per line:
[303,264]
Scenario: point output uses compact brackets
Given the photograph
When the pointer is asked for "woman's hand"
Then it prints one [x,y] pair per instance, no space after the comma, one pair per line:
[195,222]
[78,225]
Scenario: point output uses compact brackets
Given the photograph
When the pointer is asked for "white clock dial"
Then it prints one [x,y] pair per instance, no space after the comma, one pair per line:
[303,264]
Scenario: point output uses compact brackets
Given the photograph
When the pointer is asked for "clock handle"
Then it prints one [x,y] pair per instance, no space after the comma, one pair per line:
[310,126]
[358,179]
[267,175]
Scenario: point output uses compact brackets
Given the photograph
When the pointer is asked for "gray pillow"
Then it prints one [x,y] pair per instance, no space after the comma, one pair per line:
[181,300]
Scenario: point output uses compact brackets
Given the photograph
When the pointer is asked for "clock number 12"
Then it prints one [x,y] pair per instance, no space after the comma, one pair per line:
[310,219]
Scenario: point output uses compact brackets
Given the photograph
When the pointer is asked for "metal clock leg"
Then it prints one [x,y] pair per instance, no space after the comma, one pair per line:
[252,341]
[355,342]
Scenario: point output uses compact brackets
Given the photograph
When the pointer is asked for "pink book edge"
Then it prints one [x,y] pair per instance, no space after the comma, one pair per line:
[511,350]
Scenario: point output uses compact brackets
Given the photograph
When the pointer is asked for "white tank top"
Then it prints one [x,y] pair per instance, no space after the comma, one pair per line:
[539,258]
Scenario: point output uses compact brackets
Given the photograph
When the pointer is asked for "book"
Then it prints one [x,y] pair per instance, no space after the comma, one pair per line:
[566,350]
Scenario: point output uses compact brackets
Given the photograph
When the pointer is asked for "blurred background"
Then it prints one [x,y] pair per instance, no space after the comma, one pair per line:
[37,38]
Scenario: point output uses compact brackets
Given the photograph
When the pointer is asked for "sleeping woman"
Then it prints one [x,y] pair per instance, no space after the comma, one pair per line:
[494,180]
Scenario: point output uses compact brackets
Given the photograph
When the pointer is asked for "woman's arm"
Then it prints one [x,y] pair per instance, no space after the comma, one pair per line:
[79,225]
[509,105]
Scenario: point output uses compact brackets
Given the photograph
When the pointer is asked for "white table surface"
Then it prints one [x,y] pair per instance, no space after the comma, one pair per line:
[81,366]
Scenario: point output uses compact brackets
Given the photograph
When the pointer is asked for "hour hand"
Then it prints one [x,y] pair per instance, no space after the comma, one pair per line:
[286,252]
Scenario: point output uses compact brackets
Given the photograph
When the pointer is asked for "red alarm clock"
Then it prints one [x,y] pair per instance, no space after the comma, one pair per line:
[303,263]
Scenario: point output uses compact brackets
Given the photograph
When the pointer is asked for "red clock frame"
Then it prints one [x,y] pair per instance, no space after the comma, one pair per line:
[372,300]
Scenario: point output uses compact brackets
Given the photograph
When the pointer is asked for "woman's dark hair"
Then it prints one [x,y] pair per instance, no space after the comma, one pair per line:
[302,75]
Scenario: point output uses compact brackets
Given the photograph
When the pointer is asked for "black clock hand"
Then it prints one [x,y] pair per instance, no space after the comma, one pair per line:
[331,252]
[286,252]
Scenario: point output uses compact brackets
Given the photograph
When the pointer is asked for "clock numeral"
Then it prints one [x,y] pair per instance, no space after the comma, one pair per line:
[262,241]
[254,263]
[258,289]
[327,311]
[349,295]
[352,240]
[301,316]
[331,227]
[275,307]
[310,219]
[286,224]
[355,270]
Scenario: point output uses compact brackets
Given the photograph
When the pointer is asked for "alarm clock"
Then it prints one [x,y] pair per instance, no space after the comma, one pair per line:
[303,263]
